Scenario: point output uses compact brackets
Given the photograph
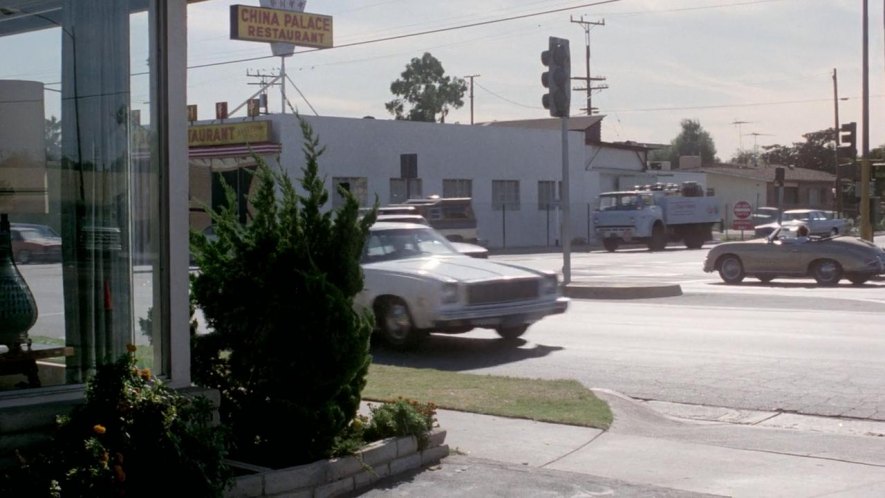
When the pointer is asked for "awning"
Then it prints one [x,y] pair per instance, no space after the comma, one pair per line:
[262,149]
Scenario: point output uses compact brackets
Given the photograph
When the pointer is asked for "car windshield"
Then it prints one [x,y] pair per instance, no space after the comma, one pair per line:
[405,243]
[28,234]
[801,216]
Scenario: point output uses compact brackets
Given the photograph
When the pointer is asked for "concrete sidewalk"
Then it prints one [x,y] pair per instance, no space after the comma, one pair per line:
[654,449]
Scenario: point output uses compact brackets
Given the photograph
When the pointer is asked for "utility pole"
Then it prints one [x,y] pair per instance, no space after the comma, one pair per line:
[266,81]
[588,80]
[866,227]
[836,148]
[470,77]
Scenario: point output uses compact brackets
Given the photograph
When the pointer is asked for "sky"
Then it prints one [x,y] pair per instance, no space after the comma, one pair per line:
[766,63]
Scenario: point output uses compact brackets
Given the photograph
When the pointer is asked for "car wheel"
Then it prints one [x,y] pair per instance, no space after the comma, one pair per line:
[23,257]
[731,269]
[765,279]
[395,323]
[835,231]
[827,272]
[658,239]
[610,244]
[858,279]
[511,332]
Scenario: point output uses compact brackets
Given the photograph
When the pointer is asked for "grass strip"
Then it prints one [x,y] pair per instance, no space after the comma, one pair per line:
[557,401]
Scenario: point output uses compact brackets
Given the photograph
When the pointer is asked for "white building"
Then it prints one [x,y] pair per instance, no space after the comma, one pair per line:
[510,169]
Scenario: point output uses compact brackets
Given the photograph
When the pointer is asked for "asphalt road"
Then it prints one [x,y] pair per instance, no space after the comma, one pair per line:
[787,346]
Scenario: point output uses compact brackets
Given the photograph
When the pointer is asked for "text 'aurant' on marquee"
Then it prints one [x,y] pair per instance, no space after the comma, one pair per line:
[272,25]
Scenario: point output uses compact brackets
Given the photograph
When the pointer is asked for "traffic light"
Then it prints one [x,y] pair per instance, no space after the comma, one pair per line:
[779,177]
[848,138]
[557,79]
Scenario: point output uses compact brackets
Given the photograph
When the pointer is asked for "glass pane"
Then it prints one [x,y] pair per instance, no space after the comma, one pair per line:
[78,166]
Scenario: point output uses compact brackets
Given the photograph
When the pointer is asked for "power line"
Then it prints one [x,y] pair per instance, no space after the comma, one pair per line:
[423,33]
[728,106]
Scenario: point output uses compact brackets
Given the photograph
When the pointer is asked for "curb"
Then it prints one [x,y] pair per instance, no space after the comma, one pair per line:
[624,291]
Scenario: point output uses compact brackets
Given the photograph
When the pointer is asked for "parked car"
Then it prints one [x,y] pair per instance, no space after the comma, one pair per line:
[783,255]
[764,215]
[30,245]
[818,222]
[472,250]
[416,282]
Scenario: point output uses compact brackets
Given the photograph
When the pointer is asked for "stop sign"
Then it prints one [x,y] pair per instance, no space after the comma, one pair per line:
[742,209]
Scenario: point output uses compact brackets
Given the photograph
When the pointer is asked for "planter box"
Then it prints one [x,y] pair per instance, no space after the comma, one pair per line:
[340,476]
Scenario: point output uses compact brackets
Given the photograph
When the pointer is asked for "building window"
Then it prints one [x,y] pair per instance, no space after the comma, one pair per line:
[403,189]
[548,195]
[356,185]
[457,187]
[505,195]
[85,154]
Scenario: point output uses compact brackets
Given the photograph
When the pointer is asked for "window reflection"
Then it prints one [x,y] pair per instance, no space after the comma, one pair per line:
[78,181]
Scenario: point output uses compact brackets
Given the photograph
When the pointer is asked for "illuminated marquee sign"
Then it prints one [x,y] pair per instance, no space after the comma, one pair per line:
[286,26]
[228,134]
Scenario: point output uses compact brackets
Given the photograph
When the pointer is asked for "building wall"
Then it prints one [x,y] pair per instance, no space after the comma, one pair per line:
[731,189]
[371,148]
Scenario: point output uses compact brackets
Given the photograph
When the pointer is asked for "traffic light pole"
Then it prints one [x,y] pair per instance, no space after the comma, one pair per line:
[566,209]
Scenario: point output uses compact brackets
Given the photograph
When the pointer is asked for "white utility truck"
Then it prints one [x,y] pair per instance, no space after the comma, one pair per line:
[656,214]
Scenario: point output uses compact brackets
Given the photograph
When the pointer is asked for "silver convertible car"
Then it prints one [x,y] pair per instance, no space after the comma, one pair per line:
[415,282]
[784,255]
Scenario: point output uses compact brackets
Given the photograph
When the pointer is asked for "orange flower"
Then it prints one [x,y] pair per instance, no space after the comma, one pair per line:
[131,348]
[99,429]
[145,373]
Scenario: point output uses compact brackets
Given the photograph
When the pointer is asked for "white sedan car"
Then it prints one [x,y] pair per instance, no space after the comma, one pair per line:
[416,283]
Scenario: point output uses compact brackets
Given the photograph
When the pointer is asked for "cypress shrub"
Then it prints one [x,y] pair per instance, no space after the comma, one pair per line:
[286,348]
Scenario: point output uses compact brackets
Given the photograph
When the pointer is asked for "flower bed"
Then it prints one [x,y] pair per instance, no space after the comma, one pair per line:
[339,476]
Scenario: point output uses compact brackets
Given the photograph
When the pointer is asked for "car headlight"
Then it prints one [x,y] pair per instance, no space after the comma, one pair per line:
[549,285]
[449,293]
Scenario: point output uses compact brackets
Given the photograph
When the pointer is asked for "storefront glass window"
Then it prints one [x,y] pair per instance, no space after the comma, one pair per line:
[79,174]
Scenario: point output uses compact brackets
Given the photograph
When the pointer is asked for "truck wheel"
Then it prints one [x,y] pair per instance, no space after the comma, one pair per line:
[827,272]
[610,244]
[395,322]
[511,332]
[658,239]
[731,269]
[858,279]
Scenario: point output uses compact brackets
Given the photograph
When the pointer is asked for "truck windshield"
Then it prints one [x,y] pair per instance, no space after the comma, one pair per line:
[620,202]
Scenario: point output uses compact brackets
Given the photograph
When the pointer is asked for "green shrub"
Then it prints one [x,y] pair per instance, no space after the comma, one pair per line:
[401,418]
[286,349]
[133,437]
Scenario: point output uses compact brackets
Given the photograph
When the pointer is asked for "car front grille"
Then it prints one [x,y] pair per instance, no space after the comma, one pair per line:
[502,291]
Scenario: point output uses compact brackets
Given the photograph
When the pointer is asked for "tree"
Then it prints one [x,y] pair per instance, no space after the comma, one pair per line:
[815,153]
[52,137]
[287,350]
[426,89]
[692,141]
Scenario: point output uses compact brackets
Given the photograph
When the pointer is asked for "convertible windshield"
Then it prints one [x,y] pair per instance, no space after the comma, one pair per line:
[404,243]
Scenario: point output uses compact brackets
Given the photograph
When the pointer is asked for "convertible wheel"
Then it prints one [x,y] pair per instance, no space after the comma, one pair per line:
[610,244]
[511,332]
[827,272]
[396,323]
[858,279]
[731,269]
